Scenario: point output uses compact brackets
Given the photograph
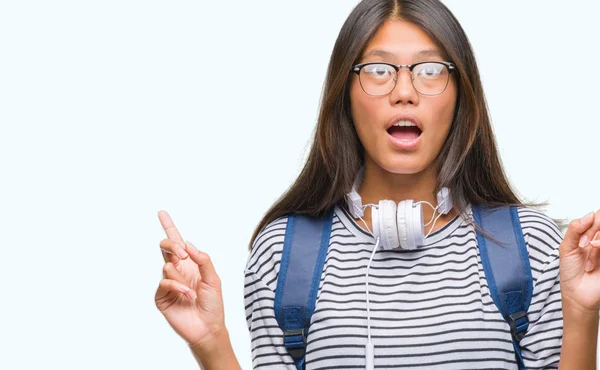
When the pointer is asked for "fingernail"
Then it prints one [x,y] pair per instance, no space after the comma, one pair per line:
[191,247]
[181,253]
[588,266]
[191,294]
[584,241]
[587,217]
[183,289]
[595,243]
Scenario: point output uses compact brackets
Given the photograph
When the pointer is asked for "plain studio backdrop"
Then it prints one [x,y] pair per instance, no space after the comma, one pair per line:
[113,110]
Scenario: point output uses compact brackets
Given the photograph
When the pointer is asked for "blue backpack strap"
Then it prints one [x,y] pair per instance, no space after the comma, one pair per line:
[506,266]
[303,256]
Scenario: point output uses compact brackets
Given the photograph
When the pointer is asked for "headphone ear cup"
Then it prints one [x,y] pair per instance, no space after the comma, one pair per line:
[402,218]
[376,222]
[386,222]
[418,230]
[410,225]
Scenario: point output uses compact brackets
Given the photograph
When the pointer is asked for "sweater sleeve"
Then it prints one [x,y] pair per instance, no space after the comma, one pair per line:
[268,351]
[542,343]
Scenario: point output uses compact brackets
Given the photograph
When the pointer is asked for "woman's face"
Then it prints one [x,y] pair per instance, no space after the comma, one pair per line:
[395,149]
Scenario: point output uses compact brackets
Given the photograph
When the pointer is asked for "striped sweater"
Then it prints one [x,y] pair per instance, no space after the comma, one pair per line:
[430,308]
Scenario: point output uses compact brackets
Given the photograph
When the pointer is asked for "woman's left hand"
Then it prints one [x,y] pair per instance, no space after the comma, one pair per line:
[580,266]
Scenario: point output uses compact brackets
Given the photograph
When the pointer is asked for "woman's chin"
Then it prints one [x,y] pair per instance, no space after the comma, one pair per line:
[402,166]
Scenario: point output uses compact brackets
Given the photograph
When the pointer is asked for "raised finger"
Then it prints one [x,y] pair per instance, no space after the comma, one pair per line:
[167,285]
[169,226]
[595,242]
[205,265]
[173,251]
[588,235]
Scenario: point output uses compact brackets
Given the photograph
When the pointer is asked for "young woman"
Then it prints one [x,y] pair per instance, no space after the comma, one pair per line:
[403,116]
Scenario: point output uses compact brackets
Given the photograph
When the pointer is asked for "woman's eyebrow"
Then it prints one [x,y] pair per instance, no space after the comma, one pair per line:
[387,54]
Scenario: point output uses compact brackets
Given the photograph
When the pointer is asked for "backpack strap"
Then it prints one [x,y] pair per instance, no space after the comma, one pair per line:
[303,256]
[506,266]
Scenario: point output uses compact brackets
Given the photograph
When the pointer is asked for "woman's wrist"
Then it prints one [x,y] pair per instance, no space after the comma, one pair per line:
[580,333]
[576,312]
[215,352]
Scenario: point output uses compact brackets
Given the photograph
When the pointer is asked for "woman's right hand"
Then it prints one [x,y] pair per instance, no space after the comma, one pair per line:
[189,295]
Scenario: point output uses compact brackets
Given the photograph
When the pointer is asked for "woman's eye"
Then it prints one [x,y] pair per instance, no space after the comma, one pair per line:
[378,70]
[430,70]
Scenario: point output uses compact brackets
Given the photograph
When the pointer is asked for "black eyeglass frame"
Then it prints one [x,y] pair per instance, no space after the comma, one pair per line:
[451,68]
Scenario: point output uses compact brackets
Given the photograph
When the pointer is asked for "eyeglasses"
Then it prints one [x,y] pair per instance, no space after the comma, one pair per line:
[427,77]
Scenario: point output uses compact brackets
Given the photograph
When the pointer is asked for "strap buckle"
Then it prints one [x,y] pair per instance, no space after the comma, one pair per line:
[518,323]
[295,332]
[295,342]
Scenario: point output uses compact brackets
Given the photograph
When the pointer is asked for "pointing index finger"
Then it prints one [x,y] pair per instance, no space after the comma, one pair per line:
[169,226]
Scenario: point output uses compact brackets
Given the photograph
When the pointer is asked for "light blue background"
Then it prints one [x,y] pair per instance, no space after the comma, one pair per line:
[112,110]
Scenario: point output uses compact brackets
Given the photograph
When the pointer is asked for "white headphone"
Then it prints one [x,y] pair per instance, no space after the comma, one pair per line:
[397,225]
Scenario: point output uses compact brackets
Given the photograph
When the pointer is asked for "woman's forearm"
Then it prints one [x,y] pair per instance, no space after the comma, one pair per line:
[580,336]
[216,354]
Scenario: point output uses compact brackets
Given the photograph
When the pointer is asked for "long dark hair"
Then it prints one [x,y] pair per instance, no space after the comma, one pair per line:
[468,162]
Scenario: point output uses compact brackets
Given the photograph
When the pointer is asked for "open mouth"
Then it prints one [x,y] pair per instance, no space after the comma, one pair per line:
[404,133]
